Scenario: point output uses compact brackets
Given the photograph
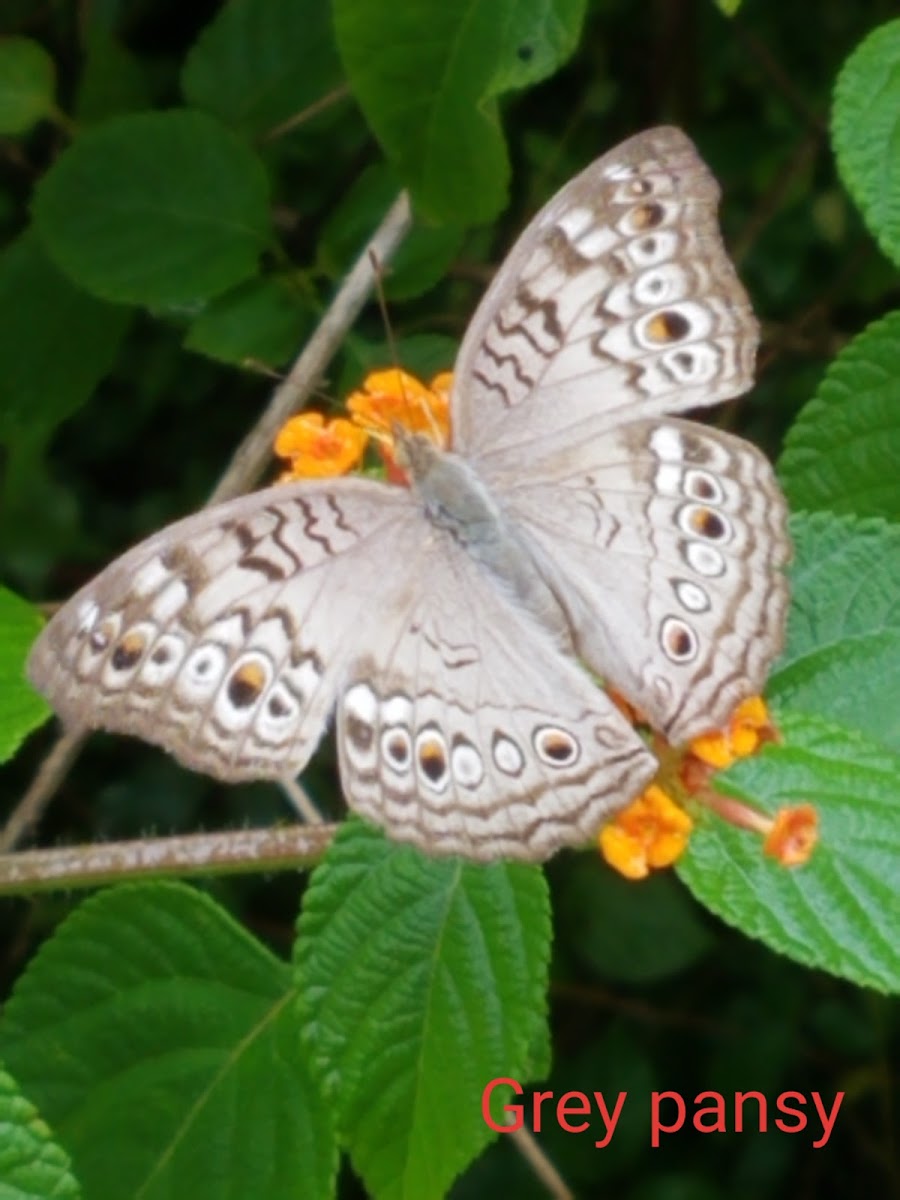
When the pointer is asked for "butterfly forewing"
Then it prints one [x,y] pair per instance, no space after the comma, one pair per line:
[221,638]
[617,301]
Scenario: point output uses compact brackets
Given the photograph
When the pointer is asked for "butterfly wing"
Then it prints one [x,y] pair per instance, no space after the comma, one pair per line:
[229,637]
[466,729]
[618,300]
[664,543]
[222,637]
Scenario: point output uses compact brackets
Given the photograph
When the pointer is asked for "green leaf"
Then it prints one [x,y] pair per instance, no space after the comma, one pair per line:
[421,261]
[56,343]
[843,450]
[629,932]
[842,658]
[27,84]
[431,100]
[260,62]
[21,708]
[422,354]
[161,1042]
[156,209]
[866,132]
[263,321]
[32,1165]
[836,912]
[422,979]
[112,80]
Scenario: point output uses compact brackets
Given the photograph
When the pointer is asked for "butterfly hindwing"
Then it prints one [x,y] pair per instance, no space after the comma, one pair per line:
[467,730]
[665,541]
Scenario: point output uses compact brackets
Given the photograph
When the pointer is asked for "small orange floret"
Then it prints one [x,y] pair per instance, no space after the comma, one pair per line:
[316,449]
[393,396]
[750,725]
[651,832]
[793,836]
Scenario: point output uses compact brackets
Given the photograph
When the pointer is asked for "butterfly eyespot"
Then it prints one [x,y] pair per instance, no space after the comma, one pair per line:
[705,522]
[678,640]
[129,650]
[555,747]
[645,216]
[640,187]
[162,661]
[691,595]
[278,707]
[507,755]
[466,763]
[360,711]
[203,671]
[431,755]
[667,326]
[246,683]
[704,559]
[700,485]
[102,637]
[396,745]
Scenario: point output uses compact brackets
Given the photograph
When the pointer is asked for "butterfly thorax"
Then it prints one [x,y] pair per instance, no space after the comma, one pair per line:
[457,500]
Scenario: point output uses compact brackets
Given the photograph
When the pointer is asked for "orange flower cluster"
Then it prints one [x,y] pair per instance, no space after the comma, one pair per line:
[653,831]
[317,448]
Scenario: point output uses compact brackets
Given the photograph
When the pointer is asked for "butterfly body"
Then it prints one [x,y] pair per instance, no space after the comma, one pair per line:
[456,500]
[576,529]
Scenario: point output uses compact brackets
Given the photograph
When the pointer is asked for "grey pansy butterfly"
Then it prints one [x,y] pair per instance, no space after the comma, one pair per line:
[575,527]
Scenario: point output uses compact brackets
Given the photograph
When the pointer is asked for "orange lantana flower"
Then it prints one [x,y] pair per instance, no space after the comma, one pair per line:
[793,835]
[395,396]
[749,726]
[651,832]
[316,449]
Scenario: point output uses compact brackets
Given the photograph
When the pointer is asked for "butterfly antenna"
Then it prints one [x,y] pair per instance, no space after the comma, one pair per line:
[382,308]
[392,350]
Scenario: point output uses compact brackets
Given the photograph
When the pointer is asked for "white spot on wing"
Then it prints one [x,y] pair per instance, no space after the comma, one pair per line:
[150,577]
[508,756]
[692,596]
[361,702]
[466,764]
[706,560]
[88,613]
[170,601]
[666,444]
[202,673]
